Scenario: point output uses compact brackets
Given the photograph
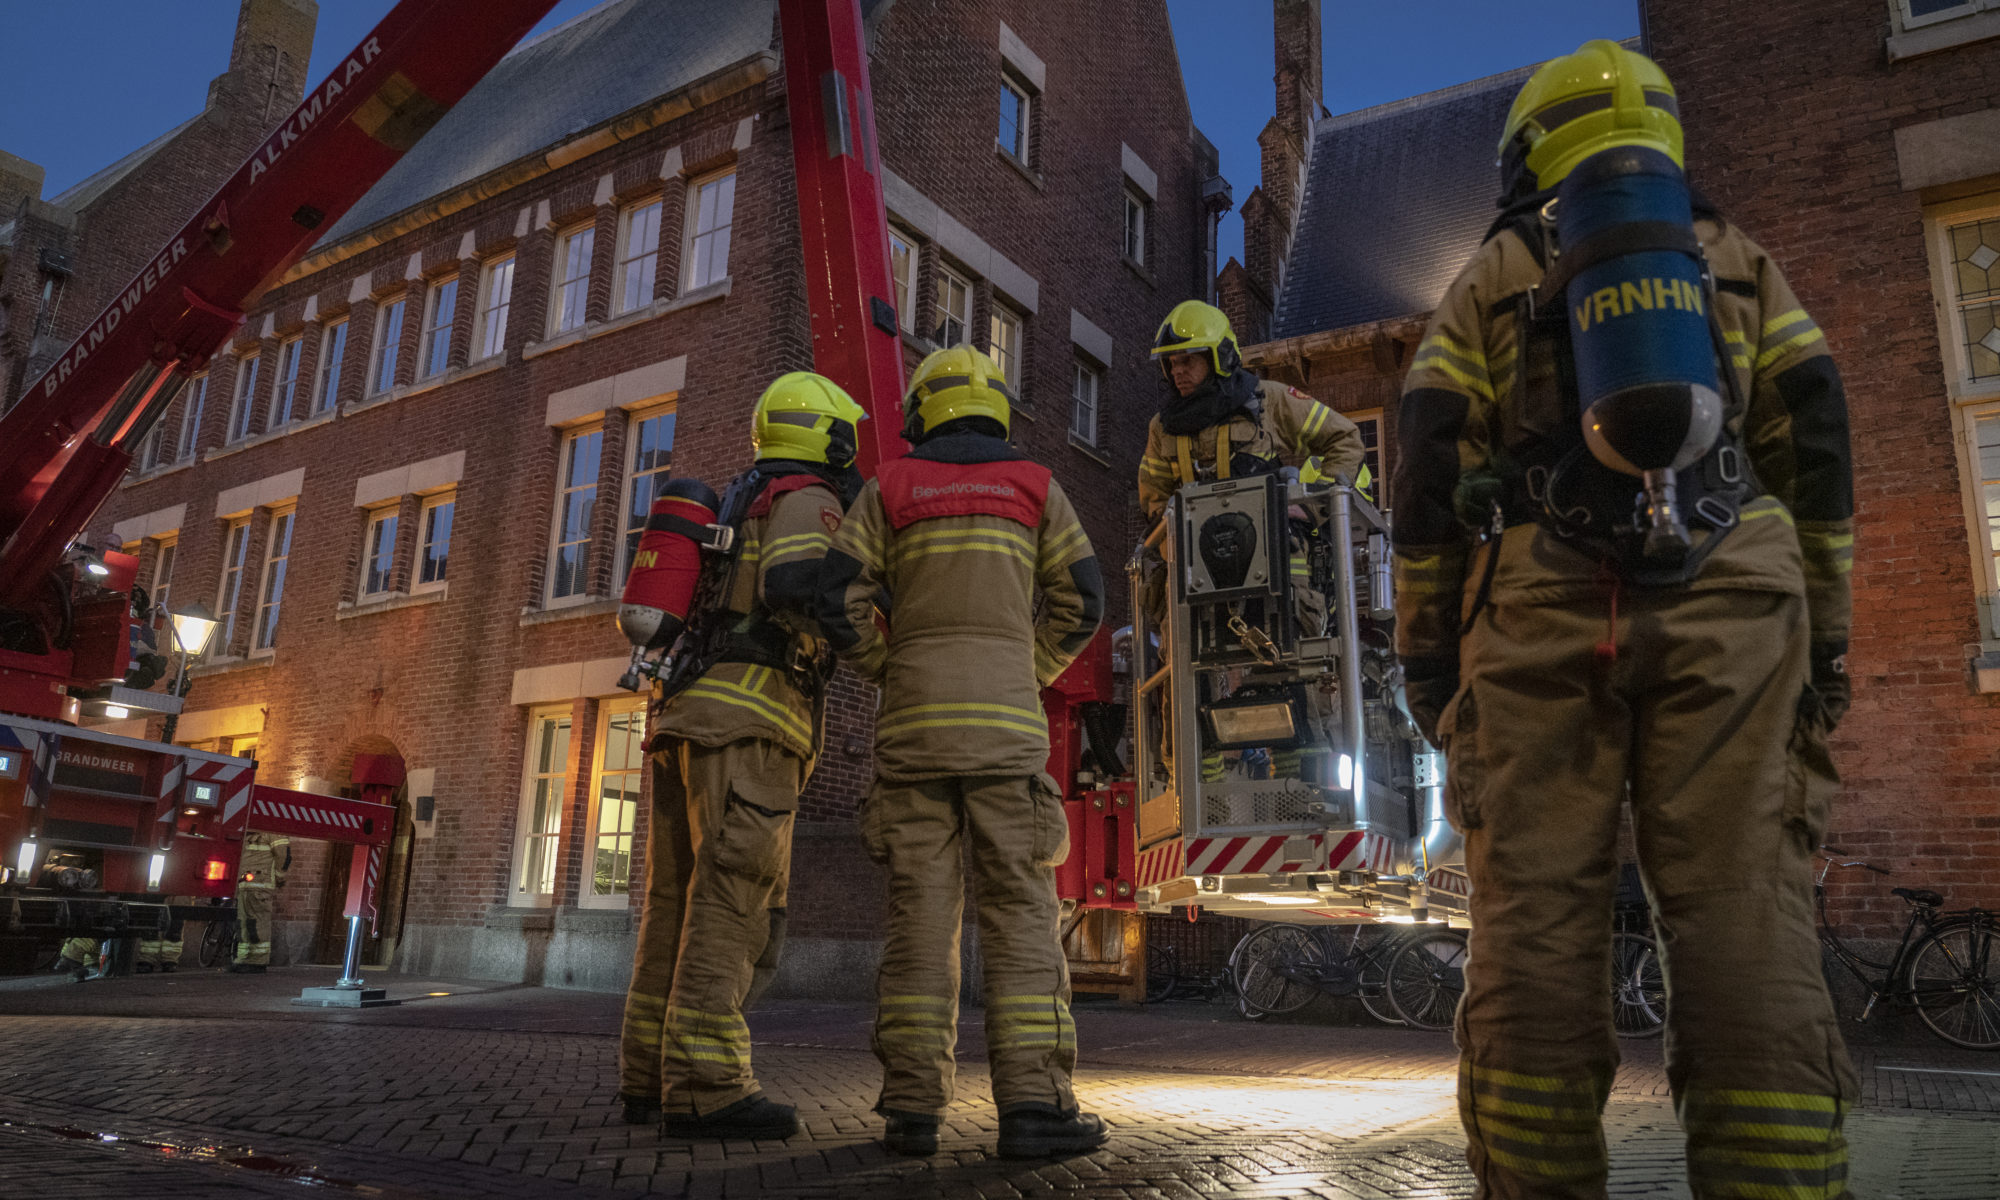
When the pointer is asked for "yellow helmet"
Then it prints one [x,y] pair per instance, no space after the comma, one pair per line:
[807,418]
[957,381]
[1599,97]
[1197,326]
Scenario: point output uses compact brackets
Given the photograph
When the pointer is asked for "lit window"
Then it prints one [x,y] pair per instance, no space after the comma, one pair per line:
[620,759]
[1972,271]
[332,353]
[388,344]
[652,440]
[1986,460]
[542,793]
[1086,382]
[378,554]
[496,294]
[953,309]
[285,389]
[1004,344]
[638,256]
[163,570]
[439,309]
[277,554]
[576,502]
[903,278]
[235,548]
[193,402]
[434,551]
[1013,134]
[153,451]
[244,412]
[572,279]
[709,217]
[1135,227]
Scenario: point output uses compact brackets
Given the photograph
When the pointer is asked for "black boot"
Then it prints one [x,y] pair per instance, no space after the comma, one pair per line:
[1044,1131]
[751,1117]
[909,1133]
[640,1110]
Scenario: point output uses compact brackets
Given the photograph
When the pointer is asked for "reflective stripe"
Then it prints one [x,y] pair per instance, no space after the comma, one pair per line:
[925,1024]
[1767,508]
[742,696]
[1788,345]
[952,541]
[1783,321]
[1063,543]
[1030,1021]
[931,716]
[1316,418]
[799,545]
[1445,343]
[1478,384]
[1545,1126]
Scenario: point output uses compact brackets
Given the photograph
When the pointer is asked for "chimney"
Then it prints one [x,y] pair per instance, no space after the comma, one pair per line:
[19,180]
[1270,212]
[268,59]
[1297,27]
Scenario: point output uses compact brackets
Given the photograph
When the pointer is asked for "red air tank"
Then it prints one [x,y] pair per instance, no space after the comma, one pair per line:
[667,565]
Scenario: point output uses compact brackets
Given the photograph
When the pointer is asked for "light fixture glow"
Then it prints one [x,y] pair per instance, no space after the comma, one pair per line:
[193,626]
[117,712]
[1346,771]
[1399,918]
[98,569]
[155,869]
[26,863]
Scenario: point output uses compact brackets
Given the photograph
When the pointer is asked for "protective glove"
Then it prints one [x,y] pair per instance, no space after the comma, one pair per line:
[1428,685]
[1829,679]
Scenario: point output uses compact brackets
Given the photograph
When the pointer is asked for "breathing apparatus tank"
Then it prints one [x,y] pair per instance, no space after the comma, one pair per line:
[666,567]
[1639,329]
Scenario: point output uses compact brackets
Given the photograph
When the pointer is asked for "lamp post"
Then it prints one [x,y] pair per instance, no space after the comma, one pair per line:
[192,628]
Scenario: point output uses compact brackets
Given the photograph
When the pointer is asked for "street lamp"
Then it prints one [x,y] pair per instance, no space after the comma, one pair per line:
[192,627]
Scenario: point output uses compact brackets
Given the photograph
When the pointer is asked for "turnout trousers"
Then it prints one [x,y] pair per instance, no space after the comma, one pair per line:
[1705,720]
[1013,830]
[718,852]
[256,904]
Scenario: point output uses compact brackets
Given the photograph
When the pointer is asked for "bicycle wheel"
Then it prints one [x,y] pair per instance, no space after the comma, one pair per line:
[1162,969]
[1372,951]
[1638,987]
[211,950]
[1427,977]
[1955,980]
[1274,969]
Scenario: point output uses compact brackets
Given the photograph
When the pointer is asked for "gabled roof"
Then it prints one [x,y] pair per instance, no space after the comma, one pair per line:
[1396,199]
[80,196]
[580,74]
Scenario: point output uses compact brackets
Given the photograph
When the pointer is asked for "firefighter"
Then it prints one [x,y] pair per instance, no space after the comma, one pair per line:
[954,541]
[162,953]
[78,958]
[1567,664]
[266,858]
[731,752]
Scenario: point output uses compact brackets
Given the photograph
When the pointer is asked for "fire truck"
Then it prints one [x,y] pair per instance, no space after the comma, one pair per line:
[100,833]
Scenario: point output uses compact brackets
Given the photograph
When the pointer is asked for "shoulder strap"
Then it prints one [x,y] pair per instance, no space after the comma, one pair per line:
[780,486]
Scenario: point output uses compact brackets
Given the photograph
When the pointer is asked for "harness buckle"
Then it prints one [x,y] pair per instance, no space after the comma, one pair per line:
[1729,463]
[1715,512]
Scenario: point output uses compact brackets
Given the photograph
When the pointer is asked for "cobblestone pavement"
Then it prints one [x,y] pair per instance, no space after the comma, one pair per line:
[209,1085]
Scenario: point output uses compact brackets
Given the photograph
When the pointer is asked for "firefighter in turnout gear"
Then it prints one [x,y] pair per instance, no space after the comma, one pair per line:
[1220,422]
[731,751]
[266,858]
[951,545]
[1567,663]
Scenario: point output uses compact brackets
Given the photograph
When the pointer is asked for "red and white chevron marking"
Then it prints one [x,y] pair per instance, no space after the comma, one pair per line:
[370,896]
[1159,864]
[285,810]
[1362,852]
[1263,855]
[1451,882]
[1245,855]
[235,780]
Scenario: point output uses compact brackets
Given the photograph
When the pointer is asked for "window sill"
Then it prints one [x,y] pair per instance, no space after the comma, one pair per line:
[1944,35]
[1139,270]
[485,366]
[534,913]
[659,308]
[157,473]
[349,609]
[223,666]
[1089,450]
[1983,392]
[592,606]
[1028,173]
[611,915]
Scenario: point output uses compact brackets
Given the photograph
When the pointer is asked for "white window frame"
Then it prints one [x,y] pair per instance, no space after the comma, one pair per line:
[903,282]
[388,346]
[229,589]
[153,451]
[332,358]
[1010,85]
[420,564]
[1900,9]
[1001,320]
[941,308]
[1081,370]
[1379,468]
[194,400]
[433,351]
[633,508]
[389,515]
[625,837]
[496,298]
[638,260]
[527,837]
[243,407]
[698,259]
[1138,210]
[166,552]
[1971,400]
[564,491]
[569,279]
[285,384]
[271,580]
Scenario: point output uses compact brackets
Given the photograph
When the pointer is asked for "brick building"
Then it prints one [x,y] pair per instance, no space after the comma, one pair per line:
[411,480]
[1861,147]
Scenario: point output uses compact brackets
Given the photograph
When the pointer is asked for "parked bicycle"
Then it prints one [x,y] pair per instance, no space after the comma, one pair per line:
[1280,968]
[1426,977]
[1947,965]
[1638,986]
[218,943]
[1167,979]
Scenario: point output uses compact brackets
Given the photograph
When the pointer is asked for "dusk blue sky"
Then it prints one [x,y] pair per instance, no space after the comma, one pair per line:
[56,110]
